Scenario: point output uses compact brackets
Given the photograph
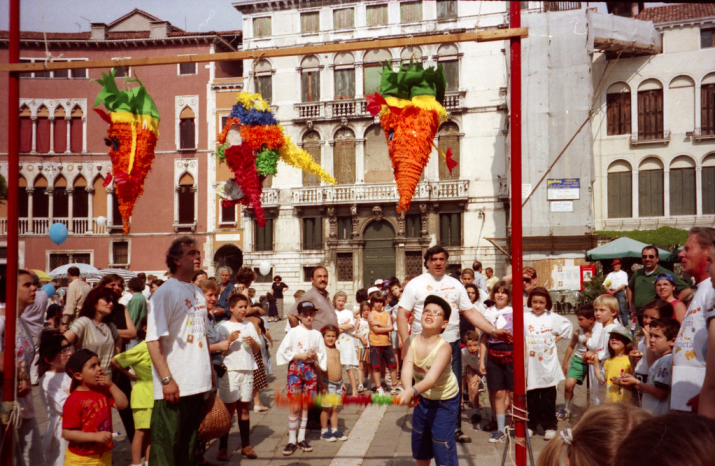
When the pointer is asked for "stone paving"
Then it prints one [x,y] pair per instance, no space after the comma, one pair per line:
[378,436]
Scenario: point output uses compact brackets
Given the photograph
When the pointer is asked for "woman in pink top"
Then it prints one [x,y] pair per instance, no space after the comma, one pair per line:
[664,288]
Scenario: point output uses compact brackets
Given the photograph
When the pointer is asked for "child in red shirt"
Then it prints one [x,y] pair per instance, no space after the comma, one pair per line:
[87,413]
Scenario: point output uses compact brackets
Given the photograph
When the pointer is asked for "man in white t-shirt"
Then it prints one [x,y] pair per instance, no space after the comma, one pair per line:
[436,282]
[691,345]
[179,349]
[615,284]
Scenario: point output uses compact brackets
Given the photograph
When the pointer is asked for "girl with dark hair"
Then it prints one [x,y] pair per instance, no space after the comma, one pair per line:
[55,384]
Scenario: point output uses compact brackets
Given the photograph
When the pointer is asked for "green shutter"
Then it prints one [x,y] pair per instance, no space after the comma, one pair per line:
[708,175]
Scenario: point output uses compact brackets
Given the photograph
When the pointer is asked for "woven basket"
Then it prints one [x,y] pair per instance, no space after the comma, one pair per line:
[216,421]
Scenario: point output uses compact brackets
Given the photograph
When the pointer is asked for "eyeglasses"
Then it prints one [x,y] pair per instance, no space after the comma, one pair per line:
[648,257]
[527,280]
[428,312]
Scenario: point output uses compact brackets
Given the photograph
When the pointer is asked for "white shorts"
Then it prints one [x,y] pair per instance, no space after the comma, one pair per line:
[236,386]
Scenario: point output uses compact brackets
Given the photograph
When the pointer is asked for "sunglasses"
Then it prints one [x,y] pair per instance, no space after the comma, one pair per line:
[433,313]
[527,280]
[648,257]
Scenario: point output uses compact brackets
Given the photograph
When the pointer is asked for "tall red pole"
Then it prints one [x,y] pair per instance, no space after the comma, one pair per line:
[516,233]
[13,150]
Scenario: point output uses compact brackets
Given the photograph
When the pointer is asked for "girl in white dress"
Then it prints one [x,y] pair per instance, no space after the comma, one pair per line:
[55,350]
[346,340]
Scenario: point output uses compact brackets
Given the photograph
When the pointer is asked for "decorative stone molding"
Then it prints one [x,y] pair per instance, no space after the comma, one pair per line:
[333,220]
[377,213]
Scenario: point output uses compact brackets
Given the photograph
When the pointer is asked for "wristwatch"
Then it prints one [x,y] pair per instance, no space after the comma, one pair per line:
[415,390]
[494,330]
[166,380]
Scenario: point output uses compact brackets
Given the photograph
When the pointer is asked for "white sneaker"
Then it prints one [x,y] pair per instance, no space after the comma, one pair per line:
[380,391]
[549,434]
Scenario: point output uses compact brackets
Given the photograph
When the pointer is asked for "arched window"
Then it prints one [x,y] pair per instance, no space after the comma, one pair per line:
[80,198]
[40,199]
[59,133]
[620,190]
[449,138]
[60,201]
[448,57]
[618,109]
[264,79]
[707,105]
[344,156]
[311,144]
[42,132]
[186,200]
[76,131]
[187,129]
[344,76]
[378,167]
[372,69]
[650,110]
[411,53]
[682,186]
[22,210]
[25,129]
[708,175]
[650,188]
[681,98]
[310,79]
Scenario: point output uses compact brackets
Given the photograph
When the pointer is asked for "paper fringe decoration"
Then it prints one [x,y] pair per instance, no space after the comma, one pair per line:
[132,136]
[410,109]
[263,143]
[319,400]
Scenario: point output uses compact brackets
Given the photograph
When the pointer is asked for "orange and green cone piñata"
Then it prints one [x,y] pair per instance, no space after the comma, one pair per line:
[409,103]
[133,131]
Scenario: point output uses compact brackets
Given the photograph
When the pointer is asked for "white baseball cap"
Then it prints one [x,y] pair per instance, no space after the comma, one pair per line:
[372,289]
[378,282]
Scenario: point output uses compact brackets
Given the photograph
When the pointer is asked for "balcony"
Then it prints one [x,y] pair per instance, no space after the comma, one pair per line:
[41,226]
[374,193]
[357,108]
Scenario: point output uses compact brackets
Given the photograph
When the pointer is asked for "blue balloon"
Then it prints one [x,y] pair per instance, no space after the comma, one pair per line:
[49,289]
[58,233]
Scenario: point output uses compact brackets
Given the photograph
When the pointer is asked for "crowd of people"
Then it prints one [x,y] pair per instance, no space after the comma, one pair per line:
[432,341]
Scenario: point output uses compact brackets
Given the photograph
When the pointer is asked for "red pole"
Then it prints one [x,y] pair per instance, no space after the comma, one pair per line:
[516,234]
[13,150]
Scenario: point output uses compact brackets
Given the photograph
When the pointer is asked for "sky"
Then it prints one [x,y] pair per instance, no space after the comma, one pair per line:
[76,15]
[190,15]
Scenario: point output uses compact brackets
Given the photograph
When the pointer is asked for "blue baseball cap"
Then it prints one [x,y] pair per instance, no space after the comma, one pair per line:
[664,276]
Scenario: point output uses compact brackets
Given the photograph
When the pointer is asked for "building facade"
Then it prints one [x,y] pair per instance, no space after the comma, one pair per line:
[654,127]
[353,228]
[64,161]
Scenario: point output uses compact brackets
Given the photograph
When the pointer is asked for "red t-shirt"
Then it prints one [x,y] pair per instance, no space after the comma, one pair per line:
[89,411]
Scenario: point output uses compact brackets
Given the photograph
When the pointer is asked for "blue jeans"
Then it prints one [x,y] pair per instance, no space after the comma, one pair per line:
[623,303]
[432,430]
[457,369]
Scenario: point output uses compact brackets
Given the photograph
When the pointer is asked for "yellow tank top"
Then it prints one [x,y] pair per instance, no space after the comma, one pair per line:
[446,386]
[380,339]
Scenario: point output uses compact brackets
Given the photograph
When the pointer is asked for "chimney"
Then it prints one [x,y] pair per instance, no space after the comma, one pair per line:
[159,29]
[99,31]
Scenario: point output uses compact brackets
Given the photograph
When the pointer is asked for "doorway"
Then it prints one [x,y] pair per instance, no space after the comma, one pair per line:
[228,255]
[379,253]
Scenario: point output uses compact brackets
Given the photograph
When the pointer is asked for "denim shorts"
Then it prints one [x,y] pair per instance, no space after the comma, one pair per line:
[433,431]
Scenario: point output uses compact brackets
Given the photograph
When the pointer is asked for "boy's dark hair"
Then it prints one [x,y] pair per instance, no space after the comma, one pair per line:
[585,310]
[664,308]
[50,345]
[361,295]
[73,271]
[141,333]
[90,302]
[670,327]
[435,250]
[329,328]
[377,298]
[53,311]
[176,250]
[471,336]
[136,284]
[540,291]
[235,298]
[75,364]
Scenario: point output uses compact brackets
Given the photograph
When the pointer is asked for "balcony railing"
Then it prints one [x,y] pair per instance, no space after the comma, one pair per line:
[370,193]
[354,108]
[41,226]
[269,197]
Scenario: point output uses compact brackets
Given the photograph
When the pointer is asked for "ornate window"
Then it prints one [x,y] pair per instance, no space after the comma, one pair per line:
[345,266]
[311,144]
[618,109]
[449,139]
[650,110]
[377,15]
[310,79]
[264,79]
[372,69]
[413,263]
[410,12]
[378,168]
[187,111]
[448,57]
[344,76]
[344,156]
[310,22]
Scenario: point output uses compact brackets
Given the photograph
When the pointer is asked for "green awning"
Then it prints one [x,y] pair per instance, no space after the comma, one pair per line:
[621,248]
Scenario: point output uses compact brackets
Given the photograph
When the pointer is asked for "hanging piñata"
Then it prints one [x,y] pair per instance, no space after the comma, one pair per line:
[251,143]
[133,131]
[410,107]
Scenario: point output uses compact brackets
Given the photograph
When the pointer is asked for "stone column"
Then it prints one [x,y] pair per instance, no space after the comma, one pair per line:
[30,226]
[51,200]
[360,161]
[52,134]
[68,119]
[34,133]
[70,210]
[90,208]
[110,207]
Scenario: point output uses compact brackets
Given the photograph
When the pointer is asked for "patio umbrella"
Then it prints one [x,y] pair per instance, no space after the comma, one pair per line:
[85,271]
[125,274]
[621,248]
[42,274]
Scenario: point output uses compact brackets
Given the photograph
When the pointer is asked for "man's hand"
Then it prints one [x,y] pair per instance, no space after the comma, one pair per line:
[171,392]
[503,335]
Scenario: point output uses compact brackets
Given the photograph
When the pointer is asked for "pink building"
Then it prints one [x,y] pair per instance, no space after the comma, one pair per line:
[64,161]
